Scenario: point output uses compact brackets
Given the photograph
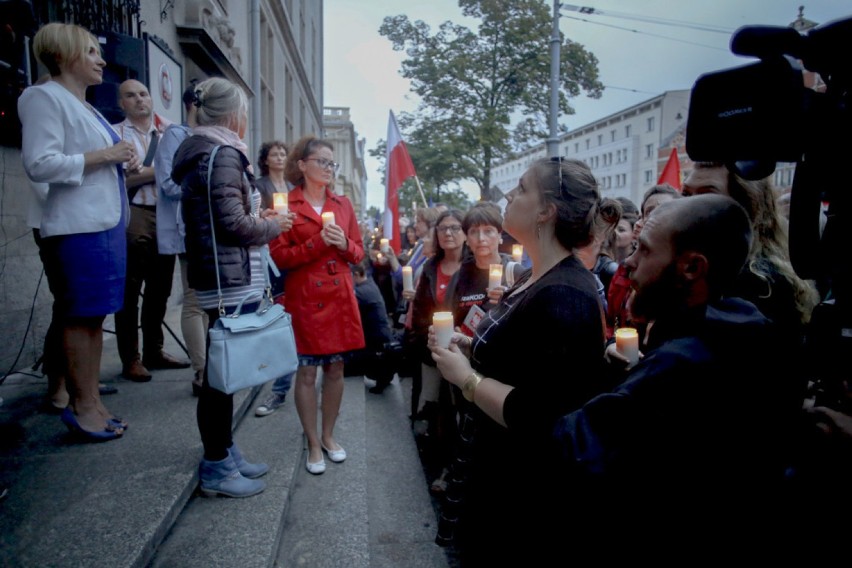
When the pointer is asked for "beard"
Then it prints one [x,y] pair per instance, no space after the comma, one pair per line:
[657,297]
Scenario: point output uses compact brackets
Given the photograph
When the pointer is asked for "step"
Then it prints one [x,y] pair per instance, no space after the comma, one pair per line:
[219,531]
[93,505]
[374,509]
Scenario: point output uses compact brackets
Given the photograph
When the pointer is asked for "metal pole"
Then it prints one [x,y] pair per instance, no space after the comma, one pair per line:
[256,106]
[555,44]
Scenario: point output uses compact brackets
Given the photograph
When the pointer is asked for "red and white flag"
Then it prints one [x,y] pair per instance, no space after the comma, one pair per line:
[399,168]
[671,173]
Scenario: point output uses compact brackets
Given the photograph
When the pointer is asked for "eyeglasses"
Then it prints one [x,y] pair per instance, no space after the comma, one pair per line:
[451,229]
[323,163]
[483,233]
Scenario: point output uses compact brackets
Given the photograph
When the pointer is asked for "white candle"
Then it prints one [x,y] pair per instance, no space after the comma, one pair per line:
[627,343]
[407,279]
[383,245]
[443,324]
[279,201]
[495,275]
[327,218]
[517,252]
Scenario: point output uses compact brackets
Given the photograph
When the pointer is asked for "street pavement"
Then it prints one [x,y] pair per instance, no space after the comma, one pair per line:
[133,502]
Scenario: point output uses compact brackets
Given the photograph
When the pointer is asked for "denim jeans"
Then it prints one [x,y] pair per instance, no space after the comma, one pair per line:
[282,384]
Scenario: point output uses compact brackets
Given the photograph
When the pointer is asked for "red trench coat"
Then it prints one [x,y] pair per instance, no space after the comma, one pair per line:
[318,287]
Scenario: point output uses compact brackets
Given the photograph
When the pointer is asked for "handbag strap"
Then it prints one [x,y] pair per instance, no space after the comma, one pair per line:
[263,252]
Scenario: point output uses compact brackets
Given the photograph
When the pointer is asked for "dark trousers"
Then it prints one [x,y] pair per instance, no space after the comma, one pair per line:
[144,266]
[53,357]
[215,409]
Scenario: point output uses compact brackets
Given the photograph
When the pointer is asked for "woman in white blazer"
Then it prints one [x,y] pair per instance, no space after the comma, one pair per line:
[68,145]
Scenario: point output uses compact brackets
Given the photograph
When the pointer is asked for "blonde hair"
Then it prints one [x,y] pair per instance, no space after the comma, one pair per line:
[56,44]
[219,101]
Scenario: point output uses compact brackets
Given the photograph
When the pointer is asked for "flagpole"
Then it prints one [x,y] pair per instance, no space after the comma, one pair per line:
[420,189]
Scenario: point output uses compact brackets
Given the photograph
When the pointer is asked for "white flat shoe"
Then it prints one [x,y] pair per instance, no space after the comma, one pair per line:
[336,456]
[315,468]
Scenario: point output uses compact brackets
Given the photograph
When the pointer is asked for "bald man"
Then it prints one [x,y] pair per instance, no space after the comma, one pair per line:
[145,265]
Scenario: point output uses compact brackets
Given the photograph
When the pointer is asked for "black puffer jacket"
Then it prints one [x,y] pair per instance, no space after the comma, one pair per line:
[236,229]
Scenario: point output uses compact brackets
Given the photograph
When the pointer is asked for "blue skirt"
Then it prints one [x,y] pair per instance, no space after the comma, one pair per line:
[91,269]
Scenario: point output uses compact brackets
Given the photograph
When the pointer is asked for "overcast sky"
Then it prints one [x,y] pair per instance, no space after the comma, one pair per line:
[638,59]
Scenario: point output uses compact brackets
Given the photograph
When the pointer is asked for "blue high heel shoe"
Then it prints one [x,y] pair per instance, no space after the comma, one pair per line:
[117,422]
[70,420]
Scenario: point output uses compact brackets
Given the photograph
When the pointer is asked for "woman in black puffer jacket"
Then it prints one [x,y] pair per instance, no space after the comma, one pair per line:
[242,232]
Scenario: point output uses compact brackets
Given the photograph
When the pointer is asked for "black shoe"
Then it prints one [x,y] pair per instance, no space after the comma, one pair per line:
[106,389]
[163,360]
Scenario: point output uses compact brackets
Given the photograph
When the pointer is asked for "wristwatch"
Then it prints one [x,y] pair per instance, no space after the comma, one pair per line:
[470,384]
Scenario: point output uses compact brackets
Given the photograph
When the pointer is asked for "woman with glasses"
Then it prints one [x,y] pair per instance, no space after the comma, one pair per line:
[316,252]
[469,297]
[431,296]
[546,338]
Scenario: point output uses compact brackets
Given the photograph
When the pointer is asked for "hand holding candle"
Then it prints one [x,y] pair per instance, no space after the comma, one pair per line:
[279,201]
[383,245]
[495,275]
[517,252]
[627,343]
[327,218]
[407,279]
[442,323]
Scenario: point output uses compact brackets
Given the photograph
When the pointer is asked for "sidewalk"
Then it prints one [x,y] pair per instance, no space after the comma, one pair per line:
[131,502]
[103,504]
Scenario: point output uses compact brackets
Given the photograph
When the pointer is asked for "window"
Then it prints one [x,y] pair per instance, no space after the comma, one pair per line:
[588,143]
[649,150]
[651,124]
[648,176]
[612,135]
[627,131]
[600,139]
[576,147]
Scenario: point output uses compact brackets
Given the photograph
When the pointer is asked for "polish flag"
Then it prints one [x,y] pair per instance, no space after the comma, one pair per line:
[671,173]
[399,169]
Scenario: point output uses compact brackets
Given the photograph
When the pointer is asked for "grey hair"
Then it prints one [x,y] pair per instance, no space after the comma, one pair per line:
[219,101]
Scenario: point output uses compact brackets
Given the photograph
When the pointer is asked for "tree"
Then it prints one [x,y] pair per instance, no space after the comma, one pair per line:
[471,84]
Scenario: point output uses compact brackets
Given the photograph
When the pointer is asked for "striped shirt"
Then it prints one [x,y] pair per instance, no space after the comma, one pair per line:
[258,257]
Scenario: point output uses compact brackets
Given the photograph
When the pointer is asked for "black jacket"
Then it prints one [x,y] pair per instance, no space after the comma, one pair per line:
[236,229]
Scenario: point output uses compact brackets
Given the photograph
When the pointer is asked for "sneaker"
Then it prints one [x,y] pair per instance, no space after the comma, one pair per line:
[270,405]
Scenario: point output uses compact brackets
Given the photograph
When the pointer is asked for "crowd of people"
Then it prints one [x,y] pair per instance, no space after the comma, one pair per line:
[533,423]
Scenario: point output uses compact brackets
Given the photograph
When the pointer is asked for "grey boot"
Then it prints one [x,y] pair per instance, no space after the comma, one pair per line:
[223,478]
[249,470]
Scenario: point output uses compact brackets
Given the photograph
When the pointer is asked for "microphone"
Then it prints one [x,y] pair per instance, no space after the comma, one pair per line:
[767,41]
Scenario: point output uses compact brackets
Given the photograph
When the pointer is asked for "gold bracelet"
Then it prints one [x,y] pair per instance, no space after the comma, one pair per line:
[470,384]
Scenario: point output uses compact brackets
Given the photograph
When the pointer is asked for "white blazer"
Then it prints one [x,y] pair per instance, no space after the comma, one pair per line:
[57,130]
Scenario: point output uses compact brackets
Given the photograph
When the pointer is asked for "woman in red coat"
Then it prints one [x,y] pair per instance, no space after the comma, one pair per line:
[319,290]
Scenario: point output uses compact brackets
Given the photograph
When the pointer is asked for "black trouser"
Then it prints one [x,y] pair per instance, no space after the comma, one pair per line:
[144,265]
[215,410]
[53,357]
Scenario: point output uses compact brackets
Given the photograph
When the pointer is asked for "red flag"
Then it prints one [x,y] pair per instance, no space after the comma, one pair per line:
[671,173]
[399,168]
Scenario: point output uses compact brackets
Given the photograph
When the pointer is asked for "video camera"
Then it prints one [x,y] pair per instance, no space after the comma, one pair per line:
[752,117]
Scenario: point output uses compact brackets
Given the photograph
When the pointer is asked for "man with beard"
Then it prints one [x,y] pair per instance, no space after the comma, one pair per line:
[690,445]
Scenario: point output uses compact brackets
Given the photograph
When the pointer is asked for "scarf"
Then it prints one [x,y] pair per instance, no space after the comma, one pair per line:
[226,136]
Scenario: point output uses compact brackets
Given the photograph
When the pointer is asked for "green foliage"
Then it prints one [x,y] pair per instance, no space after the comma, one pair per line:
[472,83]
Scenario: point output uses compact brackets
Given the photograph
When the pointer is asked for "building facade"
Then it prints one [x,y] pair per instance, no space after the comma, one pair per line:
[349,152]
[622,149]
[272,48]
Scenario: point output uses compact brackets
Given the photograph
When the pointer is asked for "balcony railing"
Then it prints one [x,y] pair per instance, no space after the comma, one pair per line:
[119,16]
